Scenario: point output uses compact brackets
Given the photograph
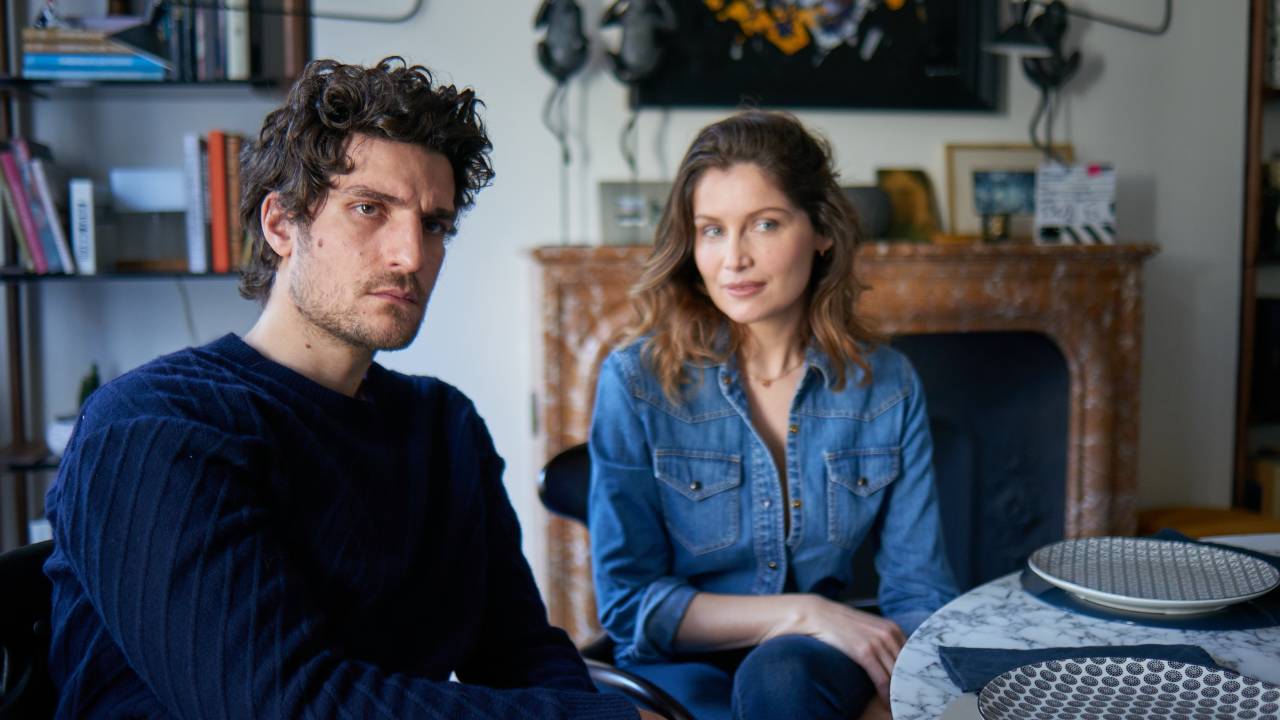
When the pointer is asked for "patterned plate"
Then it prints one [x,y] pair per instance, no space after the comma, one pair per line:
[1154,576]
[1126,689]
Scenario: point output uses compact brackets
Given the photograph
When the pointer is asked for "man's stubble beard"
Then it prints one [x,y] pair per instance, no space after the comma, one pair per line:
[323,307]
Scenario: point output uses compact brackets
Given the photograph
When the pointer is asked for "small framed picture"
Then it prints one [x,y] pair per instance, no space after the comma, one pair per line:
[914,210]
[1006,173]
[630,211]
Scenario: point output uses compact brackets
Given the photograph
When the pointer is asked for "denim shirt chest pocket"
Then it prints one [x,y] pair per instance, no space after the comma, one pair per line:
[700,493]
[856,487]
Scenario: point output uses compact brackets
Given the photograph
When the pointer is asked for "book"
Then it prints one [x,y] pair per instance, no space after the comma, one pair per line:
[235,230]
[219,238]
[44,221]
[200,42]
[236,39]
[177,34]
[15,225]
[74,48]
[88,61]
[70,41]
[297,38]
[208,43]
[83,230]
[193,151]
[265,49]
[94,75]
[90,66]
[40,172]
[7,259]
[22,205]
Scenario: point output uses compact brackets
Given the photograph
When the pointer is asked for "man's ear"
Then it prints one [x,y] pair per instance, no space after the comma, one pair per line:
[277,229]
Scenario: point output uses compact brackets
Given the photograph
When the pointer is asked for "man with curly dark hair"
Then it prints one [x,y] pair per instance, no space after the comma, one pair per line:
[277,526]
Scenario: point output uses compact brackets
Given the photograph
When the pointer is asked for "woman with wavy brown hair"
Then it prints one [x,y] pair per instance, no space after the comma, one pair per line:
[749,436]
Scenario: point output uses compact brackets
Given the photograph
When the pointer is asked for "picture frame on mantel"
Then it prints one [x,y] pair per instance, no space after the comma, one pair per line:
[920,55]
[965,159]
[630,211]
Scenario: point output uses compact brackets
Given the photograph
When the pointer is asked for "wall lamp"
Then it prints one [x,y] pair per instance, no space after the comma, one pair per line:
[1037,42]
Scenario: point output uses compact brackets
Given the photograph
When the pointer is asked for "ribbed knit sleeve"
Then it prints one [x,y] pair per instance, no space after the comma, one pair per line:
[517,647]
[168,532]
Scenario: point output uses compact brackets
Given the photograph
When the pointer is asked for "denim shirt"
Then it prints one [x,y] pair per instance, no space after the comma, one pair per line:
[685,497]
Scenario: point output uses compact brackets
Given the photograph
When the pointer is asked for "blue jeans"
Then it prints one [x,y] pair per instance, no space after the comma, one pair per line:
[788,677]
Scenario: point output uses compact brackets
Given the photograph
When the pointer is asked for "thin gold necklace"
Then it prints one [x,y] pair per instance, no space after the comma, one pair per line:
[766,382]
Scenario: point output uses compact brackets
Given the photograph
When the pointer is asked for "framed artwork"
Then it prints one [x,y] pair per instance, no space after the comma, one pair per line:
[981,176]
[902,54]
[914,213]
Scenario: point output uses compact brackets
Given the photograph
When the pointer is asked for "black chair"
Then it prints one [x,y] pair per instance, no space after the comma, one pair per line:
[26,690]
[562,487]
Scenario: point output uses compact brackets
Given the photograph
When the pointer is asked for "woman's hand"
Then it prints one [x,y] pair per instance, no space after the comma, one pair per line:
[869,640]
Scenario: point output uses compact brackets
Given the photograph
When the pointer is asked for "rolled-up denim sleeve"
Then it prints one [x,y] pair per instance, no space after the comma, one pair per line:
[915,576]
[640,602]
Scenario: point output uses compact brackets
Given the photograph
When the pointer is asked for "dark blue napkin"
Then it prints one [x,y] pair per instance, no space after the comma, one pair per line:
[1170,534]
[971,668]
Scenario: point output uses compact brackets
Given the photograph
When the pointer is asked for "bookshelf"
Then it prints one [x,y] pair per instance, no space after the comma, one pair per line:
[1257,429]
[175,105]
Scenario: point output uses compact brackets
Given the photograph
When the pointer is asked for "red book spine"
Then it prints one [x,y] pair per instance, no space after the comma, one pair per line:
[13,178]
[219,239]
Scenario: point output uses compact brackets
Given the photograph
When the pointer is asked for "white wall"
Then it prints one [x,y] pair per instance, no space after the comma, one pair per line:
[1168,111]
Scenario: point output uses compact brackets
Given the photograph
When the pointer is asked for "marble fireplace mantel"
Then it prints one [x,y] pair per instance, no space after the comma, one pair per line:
[1086,299]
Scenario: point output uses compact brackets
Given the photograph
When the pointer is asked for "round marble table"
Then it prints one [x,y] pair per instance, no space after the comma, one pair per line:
[1000,614]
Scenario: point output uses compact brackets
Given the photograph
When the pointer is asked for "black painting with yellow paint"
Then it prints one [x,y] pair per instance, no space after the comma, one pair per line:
[913,54]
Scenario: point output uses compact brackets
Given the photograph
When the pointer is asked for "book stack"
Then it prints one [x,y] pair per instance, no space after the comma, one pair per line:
[233,41]
[180,41]
[31,195]
[216,239]
[81,54]
[209,43]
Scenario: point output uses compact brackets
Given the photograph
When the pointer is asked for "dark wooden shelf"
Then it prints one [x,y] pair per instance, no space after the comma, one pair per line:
[7,277]
[48,464]
[25,457]
[21,83]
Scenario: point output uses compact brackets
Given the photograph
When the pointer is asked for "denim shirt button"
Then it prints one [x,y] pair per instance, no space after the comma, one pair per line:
[794,428]
[773,565]
[862,482]
[726,379]
[695,486]
[765,503]
[795,503]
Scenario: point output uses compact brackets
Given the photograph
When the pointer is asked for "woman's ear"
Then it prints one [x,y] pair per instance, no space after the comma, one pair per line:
[277,229]
[824,245]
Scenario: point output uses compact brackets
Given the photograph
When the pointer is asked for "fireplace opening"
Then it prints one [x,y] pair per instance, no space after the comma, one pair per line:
[998,406]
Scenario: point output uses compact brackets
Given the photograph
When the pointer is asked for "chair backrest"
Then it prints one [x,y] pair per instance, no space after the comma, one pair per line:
[564,483]
[26,690]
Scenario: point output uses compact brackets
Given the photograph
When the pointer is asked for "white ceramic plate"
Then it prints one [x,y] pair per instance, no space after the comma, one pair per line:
[1153,576]
[1126,688]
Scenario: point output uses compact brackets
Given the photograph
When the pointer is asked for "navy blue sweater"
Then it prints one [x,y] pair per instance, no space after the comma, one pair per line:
[233,540]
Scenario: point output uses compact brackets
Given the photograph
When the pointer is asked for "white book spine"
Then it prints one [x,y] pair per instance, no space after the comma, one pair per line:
[55,222]
[83,244]
[197,247]
[237,38]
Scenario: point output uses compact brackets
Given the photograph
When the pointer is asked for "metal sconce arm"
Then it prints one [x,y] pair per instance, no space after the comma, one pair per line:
[1091,16]
[259,7]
